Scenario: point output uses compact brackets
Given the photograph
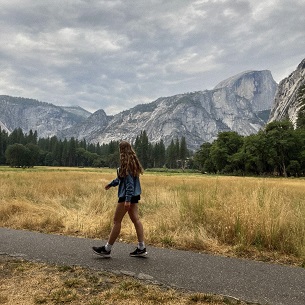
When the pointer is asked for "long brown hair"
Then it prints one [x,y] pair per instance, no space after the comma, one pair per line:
[130,163]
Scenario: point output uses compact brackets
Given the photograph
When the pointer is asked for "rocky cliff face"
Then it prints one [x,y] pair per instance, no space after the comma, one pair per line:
[47,119]
[256,86]
[3,127]
[241,103]
[286,103]
[95,123]
[236,104]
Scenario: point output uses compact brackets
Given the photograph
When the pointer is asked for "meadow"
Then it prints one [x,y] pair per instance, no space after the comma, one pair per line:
[253,217]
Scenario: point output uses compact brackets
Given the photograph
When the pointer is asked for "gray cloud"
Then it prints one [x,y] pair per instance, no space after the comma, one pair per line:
[115,54]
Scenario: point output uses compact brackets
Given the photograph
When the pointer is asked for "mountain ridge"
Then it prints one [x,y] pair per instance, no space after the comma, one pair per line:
[286,103]
[235,104]
[199,116]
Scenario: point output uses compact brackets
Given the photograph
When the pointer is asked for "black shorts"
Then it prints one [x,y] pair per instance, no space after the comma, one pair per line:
[134,199]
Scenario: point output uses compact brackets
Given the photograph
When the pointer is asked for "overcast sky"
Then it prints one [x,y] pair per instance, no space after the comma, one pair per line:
[115,54]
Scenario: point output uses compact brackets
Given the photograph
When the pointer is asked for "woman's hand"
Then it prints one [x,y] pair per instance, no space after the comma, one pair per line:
[127,205]
[107,187]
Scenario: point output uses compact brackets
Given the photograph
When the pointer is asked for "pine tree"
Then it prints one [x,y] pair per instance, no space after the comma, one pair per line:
[3,145]
[171,155]
[31,137]
[72,152]
[159,159]
[141,147]
[17,137]
[183,152]
[65,153]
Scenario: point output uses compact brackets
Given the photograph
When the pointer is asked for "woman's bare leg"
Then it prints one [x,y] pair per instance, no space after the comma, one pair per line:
[117,220]
[134,216]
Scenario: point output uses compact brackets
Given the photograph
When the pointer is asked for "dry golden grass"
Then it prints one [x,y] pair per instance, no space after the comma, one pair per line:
[26,283]
[251,217]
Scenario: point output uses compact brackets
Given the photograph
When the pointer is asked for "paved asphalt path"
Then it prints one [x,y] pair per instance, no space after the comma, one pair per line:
[246,280]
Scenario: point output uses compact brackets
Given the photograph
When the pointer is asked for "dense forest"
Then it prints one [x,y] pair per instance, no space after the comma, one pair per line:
[278,149]
[19,149]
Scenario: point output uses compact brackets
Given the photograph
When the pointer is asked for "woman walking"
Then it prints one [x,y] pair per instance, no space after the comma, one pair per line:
[129,192]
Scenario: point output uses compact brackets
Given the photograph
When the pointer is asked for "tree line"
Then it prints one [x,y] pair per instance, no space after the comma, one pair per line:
[20,149]
[278,149]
